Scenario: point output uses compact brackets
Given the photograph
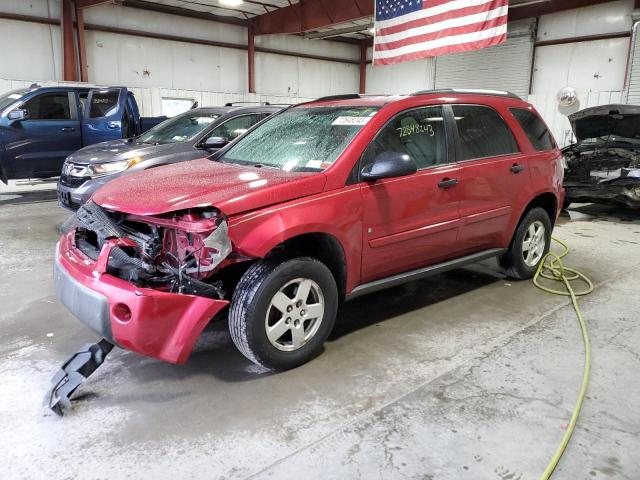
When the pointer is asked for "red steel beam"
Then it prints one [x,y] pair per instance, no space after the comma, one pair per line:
[312,14]
[363,67]
[69,70]
[82,49]
[251,59]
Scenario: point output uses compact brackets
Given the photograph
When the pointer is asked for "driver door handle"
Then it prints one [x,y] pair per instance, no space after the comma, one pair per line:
[448,182]
[516,168]
[68,129]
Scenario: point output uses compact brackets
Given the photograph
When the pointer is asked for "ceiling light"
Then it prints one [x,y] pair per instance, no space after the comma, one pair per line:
[372,30]
[232,3]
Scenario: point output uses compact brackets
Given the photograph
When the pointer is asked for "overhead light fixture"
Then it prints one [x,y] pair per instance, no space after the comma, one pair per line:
[372,30]
[232,3]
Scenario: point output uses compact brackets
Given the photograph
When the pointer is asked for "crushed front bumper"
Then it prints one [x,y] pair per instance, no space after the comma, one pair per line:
[628,194]
[149,322]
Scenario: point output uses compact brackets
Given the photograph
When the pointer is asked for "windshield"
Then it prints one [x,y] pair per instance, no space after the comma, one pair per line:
[8,98]
[178,129]
[300,139]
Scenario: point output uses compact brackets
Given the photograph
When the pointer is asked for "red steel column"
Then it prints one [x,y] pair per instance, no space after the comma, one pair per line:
[69,71]
[251,57]
[363,67]
[82,49]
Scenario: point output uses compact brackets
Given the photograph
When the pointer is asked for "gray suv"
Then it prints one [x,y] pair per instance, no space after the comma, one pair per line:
[196,133]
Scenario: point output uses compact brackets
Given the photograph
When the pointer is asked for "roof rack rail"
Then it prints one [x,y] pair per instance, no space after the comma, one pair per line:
[476,91]
[233,104]
[345,96]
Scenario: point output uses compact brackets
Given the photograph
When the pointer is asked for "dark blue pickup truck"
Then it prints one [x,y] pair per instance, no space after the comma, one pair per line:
[40,126]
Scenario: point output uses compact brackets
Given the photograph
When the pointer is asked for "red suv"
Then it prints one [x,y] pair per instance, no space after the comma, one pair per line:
[323,202]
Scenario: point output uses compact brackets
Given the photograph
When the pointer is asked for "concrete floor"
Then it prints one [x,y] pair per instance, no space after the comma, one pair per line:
[461,376]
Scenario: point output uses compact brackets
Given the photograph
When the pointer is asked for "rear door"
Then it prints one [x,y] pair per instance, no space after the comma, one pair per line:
[105,115]
[493,174]
[38,145]
[411,221]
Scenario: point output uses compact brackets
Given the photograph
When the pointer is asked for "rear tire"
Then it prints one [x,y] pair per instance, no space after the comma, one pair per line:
[529,245]
[282,311]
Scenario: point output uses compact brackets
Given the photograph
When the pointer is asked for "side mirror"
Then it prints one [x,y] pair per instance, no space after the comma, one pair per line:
[18,115]
[388,165]
[215,142]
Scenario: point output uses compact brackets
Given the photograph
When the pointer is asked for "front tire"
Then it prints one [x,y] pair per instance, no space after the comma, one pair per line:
[529,245]
[283,311]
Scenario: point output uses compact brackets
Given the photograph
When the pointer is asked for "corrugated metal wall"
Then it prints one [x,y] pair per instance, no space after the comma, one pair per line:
[501,67]
[633,87]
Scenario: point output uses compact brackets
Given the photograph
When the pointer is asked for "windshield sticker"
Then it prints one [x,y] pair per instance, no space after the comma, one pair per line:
[314,164]
[415,128]
[351,121]
[179,138]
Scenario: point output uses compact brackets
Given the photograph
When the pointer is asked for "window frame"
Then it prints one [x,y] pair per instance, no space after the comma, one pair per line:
[73,107]
[554,144]
[456,134]
[355,174]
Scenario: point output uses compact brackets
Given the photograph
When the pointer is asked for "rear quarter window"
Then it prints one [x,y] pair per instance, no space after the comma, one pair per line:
[535,129]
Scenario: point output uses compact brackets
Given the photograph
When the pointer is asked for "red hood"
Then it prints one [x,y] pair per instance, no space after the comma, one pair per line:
[199,183]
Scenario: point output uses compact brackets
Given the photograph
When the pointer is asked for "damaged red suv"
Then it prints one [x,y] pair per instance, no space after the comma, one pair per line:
[323,202]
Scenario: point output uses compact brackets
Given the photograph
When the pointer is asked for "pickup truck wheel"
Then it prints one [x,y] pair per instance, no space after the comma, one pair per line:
[529,245]
[283,311]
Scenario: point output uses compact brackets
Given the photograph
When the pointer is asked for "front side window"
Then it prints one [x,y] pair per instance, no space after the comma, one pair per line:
[482,132]
[49,106]
[302,139]
[178,129]
[104,103]
[420,133]
[235,127]
[535,129]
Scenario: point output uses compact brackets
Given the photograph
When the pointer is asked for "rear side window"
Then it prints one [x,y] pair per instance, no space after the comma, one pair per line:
[419,132]
[482,132]
[49,106]
[535,129]
[104,104]
[235,127]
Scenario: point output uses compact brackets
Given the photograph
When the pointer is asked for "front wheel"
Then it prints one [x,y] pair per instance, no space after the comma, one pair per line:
[530,244]
[282,312]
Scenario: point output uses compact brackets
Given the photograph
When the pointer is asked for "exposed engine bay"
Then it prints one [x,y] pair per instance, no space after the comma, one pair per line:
[177,252]
[604,164]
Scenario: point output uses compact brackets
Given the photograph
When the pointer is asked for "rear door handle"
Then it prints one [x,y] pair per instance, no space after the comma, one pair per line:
[516,168]
[68,129]
[448,182]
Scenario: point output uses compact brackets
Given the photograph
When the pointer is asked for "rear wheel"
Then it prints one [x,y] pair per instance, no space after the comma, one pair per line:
[282,312]
[529,245]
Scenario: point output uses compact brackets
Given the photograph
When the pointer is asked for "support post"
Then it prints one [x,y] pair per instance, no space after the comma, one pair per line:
[82,49]
[69,70]
[363,67]
[251,57]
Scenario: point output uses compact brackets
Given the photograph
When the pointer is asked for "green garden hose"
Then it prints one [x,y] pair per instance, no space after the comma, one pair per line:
[552,268]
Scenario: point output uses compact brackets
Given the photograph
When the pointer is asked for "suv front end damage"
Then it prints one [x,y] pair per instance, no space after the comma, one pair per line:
[145,283]
[604,164]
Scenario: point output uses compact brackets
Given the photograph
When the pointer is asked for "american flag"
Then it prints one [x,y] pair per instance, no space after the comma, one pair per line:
[413,29]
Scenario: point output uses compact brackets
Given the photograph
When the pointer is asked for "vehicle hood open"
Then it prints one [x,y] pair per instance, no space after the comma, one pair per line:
[117,150]
[203,183]
[615,120]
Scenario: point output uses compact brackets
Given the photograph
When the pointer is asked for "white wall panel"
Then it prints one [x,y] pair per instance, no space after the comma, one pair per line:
[36,8]
[597,65]
[291,43]
[598,19]
[400,78]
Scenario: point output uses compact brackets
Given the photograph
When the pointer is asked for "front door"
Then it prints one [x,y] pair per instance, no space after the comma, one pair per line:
[39,144]
[410,221]
[493,173]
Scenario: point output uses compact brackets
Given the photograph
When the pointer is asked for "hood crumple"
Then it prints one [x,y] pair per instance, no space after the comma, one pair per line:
[117,150]
[205,183]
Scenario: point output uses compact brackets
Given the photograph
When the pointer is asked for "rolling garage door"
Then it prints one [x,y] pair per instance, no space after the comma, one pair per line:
[633,92]
[503,67]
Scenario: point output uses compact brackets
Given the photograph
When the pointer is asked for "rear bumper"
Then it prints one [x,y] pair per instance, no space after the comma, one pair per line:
[149,322]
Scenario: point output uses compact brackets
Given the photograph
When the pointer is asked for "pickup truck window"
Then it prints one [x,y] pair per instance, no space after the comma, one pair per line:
[179,128]
[104,104]
[49,106]
[304,139]
[8,98]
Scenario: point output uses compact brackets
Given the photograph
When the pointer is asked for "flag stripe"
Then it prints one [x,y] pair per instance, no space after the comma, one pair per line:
[465,24]
[435,10]
[440,42]
[462,47]
[450,14]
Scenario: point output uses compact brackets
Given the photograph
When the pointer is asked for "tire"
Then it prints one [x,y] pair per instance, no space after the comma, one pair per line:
[519,263]
[253,310]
